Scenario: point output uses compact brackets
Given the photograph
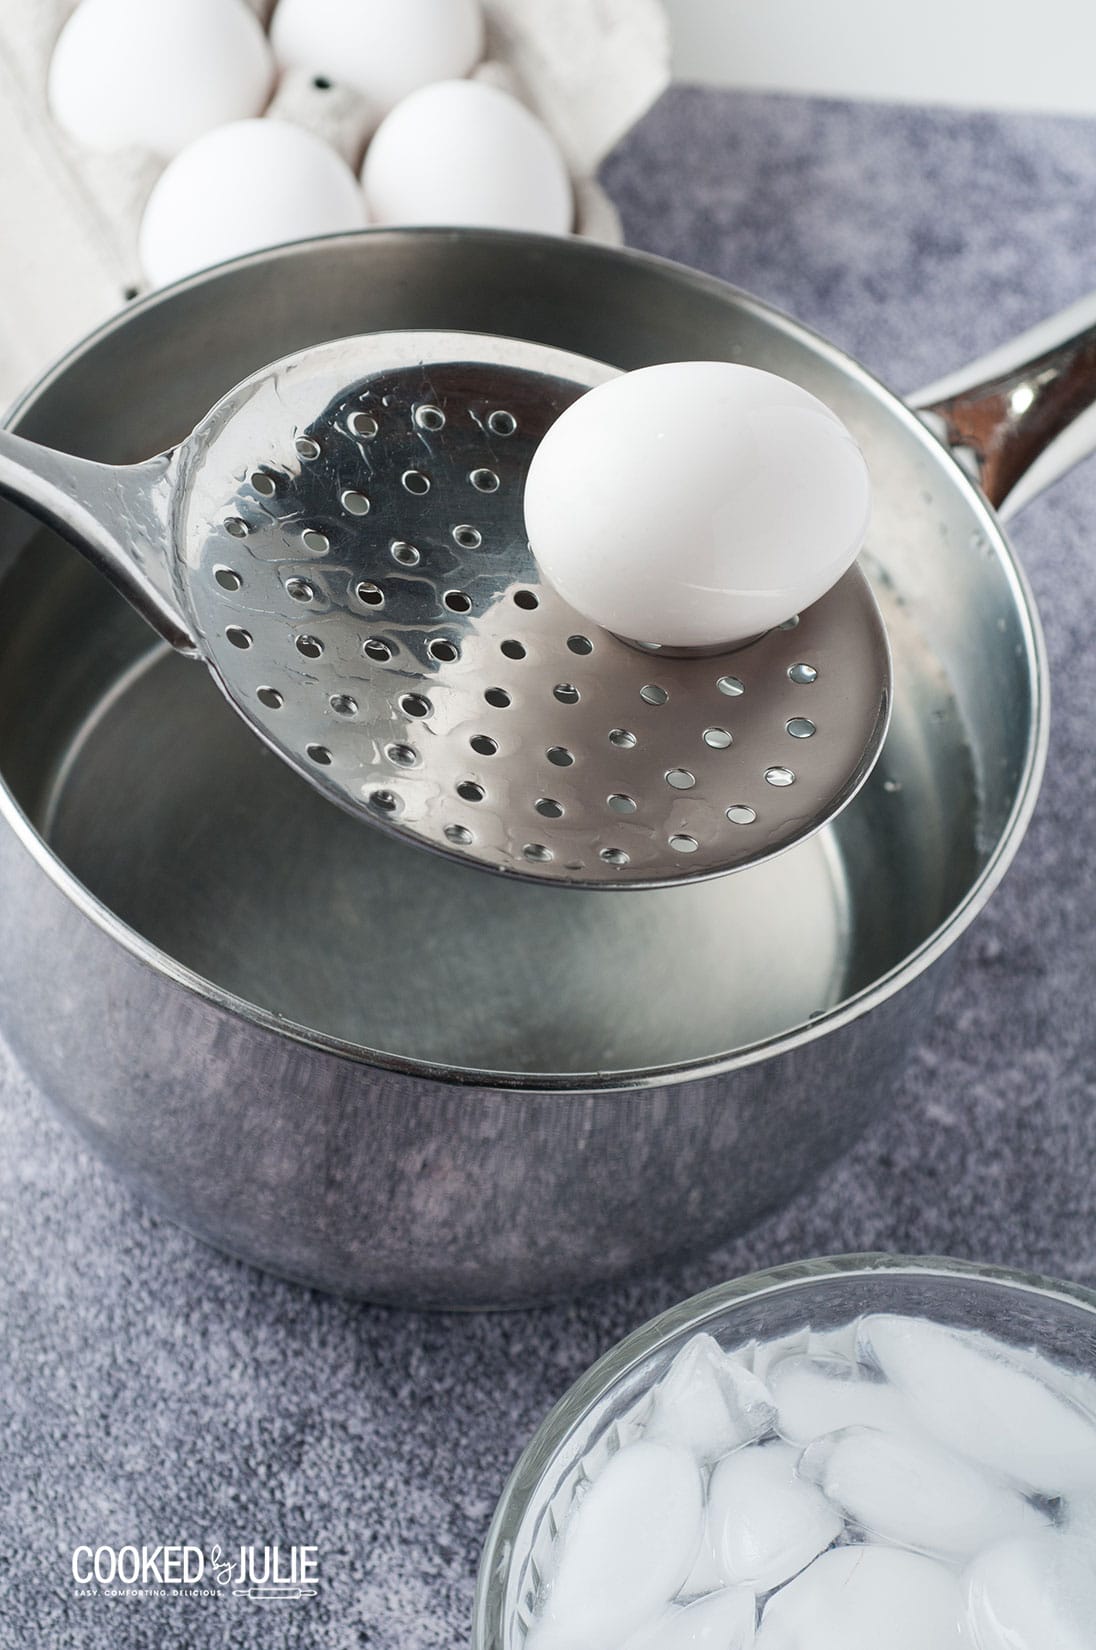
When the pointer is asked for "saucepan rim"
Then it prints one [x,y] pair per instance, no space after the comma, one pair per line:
[842,1014]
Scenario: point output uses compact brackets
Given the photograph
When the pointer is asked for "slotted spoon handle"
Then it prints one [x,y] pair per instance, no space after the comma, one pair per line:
[115,515]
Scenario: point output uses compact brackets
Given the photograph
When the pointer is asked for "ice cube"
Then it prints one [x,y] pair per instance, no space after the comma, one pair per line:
[866,1598]
[973,1395]
[1036,1593]
[626,1549]
[765,1522]
[838,1342]
[709,1402]
[819,1395]
[1078,1516]
[901,1487]
[707,1571]
[769,1353]
[722,1621]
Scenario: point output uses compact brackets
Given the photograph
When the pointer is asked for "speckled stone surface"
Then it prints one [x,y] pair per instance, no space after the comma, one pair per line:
[152,1391]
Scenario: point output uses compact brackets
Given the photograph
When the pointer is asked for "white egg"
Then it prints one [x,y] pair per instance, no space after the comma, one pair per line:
[383,48]
[696,503]
[254,183]
[157,73]
[464,153]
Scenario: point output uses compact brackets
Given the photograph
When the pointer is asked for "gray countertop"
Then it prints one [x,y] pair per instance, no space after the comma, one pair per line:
[152,1391]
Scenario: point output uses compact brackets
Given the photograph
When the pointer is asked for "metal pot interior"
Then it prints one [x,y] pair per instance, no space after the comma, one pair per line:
[150,793]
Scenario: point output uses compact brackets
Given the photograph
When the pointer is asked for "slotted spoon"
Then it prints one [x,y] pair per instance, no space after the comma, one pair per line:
[341,540]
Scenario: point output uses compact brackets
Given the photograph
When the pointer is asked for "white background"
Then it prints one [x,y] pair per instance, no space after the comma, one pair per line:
[1019,54]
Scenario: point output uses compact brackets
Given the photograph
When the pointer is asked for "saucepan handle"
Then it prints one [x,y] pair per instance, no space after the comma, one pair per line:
[116,515]
[1025,414]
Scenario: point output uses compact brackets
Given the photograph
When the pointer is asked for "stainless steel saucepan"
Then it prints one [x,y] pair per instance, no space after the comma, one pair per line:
[380,1071]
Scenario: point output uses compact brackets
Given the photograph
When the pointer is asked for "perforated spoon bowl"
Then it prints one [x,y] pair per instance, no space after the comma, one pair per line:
[341,540]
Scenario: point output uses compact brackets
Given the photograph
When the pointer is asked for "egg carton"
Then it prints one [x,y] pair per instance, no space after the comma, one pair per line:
[588,68]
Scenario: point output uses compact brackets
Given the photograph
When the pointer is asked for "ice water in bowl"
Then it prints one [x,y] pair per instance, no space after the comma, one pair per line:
[892,1484]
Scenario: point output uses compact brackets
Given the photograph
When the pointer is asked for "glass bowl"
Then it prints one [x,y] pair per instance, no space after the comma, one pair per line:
[590,1421]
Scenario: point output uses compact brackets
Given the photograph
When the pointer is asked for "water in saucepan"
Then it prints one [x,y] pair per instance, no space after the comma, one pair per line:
[150,791]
